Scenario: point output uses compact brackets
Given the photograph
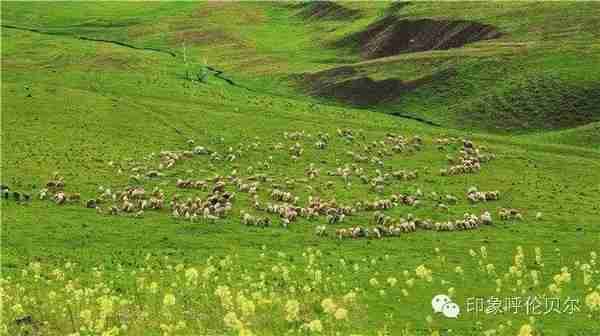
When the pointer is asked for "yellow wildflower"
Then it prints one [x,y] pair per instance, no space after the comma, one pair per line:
[592,300]
[341,314]
[526,330]
[292,310]
[169,300]
[315,326]
[328,305]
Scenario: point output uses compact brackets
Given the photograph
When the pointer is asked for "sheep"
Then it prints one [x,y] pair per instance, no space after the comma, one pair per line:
[342,233]
[156,203]
[377,188]
[538,216]
[248,219]
[425,224]
[510,214]
[451,199]
[289,213]
[407,226]
[312,172]
[475,196]
[218,187]
[471,221]
[405,200]
[378,217]
[296,150]
[296,135]
[378,233]
[469,162]
[443,207]
[263,222]
[25,197]
[416,140]
[113,210]
[106,195]
[127,206]
[334,217]
[357,232]
[444,226]
[321,230]
[136,193]
[43,194]
[486,218]
[405,175]
[346,134]
[60,197]
[308,213]
[394,231]
[282,196]
[247,187]
[320,144]
[153,174]
[492,195]
[199,150]
[55,184]
[218,203]
[190,184]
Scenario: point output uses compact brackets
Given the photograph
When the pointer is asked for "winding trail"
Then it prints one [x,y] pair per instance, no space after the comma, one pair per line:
[416,118]
[220,74]
[84,38]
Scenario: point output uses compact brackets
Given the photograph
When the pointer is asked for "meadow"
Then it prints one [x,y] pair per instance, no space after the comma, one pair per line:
[187,168]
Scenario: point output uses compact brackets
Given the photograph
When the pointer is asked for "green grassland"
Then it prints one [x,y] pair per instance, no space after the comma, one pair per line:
[91,109]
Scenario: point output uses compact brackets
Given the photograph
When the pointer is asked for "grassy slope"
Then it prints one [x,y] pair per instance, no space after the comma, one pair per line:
[92,103]
[541,74]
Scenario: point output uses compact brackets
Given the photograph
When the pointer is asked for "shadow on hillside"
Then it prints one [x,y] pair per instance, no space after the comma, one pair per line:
[348,85]
[393,35]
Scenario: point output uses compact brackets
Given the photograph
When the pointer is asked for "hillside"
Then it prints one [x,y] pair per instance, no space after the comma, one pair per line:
[480,67]
[171,163]
[441,63]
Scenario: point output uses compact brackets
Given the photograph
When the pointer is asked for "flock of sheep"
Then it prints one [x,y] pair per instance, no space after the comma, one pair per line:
[272,199]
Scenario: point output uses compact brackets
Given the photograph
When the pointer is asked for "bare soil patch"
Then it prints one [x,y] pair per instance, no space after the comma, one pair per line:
[393,35]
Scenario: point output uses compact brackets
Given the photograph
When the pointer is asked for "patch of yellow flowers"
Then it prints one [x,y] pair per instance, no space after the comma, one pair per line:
[309,296]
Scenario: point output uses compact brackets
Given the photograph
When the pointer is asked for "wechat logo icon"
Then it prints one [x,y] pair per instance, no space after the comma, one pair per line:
[443,304]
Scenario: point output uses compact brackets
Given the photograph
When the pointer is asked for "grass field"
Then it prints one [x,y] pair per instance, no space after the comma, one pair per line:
[95,91]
